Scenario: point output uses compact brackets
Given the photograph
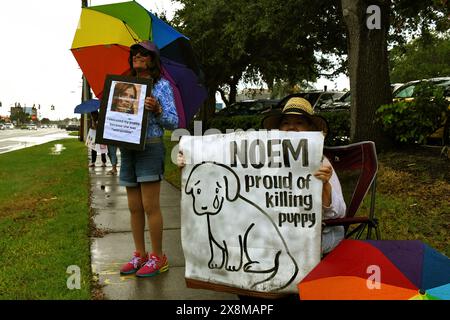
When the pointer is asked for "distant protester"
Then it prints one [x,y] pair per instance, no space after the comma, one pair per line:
[93,126]
[112,154]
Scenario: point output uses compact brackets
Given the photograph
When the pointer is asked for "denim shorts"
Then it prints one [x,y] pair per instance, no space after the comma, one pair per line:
[142,166]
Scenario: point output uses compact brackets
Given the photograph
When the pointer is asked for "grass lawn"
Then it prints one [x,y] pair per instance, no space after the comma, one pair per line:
[413,197]
[412,201]
[44,222]
[171,171]
[74,133]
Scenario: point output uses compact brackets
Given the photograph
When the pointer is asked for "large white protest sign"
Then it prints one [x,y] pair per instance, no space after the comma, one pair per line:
[251,208]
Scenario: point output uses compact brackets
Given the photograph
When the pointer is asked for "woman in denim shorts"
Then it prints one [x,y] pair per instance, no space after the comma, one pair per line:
[141,171]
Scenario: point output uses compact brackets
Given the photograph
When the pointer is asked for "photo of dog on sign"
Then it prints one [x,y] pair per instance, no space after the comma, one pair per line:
[242,237]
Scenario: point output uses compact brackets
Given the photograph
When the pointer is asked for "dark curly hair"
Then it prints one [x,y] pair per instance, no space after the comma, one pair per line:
[154,67]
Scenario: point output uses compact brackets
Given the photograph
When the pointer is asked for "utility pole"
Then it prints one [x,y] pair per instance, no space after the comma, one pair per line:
[85,94]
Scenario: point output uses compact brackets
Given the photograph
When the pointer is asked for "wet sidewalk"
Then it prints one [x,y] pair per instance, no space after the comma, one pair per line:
[115,247]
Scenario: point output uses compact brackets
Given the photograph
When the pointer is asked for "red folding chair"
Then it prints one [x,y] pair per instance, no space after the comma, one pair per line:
[356,166]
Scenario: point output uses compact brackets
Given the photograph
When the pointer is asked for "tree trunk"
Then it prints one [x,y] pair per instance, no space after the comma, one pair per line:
[368,67]
[233,88]
[209,106]
[224,97]
[233,93]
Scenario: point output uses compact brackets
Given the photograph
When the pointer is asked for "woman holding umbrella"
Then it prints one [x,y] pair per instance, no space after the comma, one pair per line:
[141,171]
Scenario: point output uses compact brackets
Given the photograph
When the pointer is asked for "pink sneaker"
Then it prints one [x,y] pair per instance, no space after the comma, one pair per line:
[134,264]
[153,266]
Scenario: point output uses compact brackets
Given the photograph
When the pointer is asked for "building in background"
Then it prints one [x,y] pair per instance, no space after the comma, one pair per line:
[253,94]
[17,109]
[20,114]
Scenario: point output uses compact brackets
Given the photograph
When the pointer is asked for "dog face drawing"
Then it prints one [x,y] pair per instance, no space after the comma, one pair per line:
[208,190]
[238,229]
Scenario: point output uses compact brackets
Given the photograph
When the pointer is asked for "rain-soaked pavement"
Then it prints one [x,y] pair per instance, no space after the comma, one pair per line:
[11,140]
[109,252]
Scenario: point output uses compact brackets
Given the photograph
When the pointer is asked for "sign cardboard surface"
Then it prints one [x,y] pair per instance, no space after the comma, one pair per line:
[251,208]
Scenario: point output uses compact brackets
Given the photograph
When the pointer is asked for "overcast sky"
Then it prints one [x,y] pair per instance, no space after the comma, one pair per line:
[36,64]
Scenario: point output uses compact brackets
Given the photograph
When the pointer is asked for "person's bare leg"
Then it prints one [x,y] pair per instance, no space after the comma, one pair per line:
[150,199]
[137,218]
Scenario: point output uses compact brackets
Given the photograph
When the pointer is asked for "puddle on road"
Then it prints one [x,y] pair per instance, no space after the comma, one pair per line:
[57,149]
[17,143]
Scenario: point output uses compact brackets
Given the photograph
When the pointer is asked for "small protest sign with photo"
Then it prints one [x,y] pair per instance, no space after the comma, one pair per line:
[90,142]
[122,118]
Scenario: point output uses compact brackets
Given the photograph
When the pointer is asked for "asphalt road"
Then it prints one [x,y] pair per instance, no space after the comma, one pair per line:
[15,139]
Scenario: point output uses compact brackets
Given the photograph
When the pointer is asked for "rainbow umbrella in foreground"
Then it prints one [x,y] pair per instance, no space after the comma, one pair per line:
[101,46]
[379,270]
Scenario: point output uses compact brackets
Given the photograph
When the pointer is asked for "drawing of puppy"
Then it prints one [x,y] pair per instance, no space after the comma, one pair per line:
[242,236]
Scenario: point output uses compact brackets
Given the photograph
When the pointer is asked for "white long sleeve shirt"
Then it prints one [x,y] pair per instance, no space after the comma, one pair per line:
[331,236]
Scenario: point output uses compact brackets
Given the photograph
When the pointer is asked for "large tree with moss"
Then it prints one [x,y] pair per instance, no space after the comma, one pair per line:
[368,24]
[264,40]
[291,41]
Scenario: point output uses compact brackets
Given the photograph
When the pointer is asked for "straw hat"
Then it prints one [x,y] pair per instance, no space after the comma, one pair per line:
[296,106]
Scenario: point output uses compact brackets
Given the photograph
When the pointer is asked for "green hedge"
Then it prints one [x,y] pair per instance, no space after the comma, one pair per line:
[339,123]
[235,122]
[410,122]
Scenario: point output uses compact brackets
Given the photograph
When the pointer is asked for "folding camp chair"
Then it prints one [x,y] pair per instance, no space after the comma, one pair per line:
[356,166]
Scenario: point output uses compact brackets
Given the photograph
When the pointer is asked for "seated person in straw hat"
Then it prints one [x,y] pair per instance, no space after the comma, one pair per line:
[298,115]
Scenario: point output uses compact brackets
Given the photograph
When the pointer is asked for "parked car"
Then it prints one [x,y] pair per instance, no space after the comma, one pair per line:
[9,125]
[340,104]
[318,99]
[73,127]
[2,126]
[247,107]
[395,86]
[407,92]
[31,126]
[343,103]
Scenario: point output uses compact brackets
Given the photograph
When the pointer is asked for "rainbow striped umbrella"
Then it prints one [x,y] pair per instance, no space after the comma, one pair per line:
[379,270]
[101,46]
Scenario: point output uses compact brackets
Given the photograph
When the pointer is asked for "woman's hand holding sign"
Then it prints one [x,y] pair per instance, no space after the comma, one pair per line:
[181,161]
[152,104]
[324,174]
